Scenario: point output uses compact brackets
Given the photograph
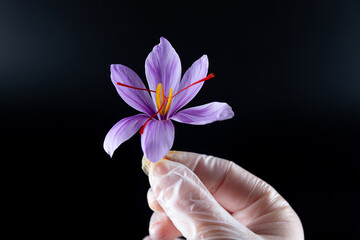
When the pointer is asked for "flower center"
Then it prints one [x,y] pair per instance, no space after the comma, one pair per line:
[161,99]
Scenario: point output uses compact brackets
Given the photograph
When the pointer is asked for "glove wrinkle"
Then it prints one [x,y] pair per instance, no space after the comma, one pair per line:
[221,182]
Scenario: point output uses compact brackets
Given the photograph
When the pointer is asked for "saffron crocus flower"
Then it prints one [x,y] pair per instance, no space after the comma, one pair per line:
[162,102]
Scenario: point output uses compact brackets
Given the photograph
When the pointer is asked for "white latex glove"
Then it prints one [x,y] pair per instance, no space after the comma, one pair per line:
[204,197]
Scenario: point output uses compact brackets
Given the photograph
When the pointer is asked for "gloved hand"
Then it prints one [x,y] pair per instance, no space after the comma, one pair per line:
[204,197]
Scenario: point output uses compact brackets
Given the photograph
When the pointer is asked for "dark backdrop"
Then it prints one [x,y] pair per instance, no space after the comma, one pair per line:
[289,69]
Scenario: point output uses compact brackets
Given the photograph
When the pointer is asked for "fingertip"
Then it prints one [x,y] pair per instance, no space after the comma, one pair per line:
[158,169]
[157,230]
[189,159]
[161,227]
[152,202]
[174,155]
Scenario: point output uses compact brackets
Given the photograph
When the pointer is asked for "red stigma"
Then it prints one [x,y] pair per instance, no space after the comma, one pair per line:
[210,76]
[144,89]
[143,127]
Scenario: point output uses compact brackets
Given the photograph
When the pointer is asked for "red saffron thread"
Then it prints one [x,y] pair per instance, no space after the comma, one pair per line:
[143,126]
[124,85]
[211,75]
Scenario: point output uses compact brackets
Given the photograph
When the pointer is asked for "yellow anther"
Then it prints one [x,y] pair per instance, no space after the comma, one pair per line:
[160,97]
[168,104]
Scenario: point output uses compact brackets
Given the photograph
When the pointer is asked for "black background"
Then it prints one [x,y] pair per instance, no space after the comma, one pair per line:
[289,69]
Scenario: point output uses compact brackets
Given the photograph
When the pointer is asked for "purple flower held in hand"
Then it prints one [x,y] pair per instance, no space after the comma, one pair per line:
[163,73]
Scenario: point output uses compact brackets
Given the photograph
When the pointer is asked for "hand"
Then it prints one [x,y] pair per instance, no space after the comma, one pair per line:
[204,197]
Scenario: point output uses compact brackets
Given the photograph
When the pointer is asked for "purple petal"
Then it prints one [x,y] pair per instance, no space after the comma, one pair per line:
[163,66]
[204,114]
[157,139]
[138,99]
[196,72]
[122,131]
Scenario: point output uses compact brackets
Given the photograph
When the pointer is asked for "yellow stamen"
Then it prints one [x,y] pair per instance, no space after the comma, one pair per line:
[168,104]
[160,97]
